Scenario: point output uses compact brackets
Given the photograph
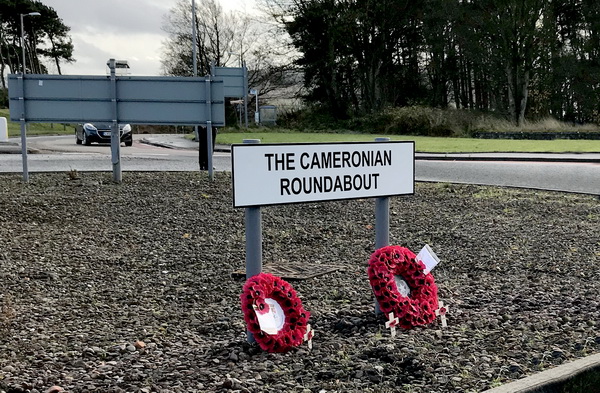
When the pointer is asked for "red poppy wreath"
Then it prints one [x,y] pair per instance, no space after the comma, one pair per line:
[401,286]
[273,313]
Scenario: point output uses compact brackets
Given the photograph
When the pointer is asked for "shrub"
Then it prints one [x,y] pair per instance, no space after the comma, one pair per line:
[426,121]
[417,120]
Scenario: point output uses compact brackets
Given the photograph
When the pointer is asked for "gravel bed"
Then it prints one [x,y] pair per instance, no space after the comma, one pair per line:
[128,288]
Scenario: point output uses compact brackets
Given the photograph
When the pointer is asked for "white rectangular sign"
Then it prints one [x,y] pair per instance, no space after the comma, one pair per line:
[265,174]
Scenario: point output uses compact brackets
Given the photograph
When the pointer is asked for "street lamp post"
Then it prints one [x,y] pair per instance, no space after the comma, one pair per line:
[23,125]
[23,36]
[194,56]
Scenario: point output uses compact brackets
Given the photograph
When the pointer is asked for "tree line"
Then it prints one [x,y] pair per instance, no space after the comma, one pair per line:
[519,58]
[46,38]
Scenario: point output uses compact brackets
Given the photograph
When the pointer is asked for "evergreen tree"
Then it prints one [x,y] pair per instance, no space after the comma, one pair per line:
[47,29]
[514,57]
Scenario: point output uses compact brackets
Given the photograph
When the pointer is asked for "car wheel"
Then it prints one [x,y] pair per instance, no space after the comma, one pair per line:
[129,142]
[77,140]
[85,140]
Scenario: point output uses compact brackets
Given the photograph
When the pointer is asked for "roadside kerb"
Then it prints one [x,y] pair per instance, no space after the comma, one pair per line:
[534,157]
[180,142]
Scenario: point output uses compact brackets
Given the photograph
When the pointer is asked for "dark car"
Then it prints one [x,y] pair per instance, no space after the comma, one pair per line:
[100,132]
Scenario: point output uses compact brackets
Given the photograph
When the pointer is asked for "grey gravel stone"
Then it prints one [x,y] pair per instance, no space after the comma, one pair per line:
[9,369]
[82,281]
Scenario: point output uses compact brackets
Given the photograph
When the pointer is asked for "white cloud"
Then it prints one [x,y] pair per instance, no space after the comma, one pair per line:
[121,29]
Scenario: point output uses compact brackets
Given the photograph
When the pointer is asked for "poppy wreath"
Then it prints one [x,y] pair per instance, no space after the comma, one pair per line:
[267,286]
[418,308]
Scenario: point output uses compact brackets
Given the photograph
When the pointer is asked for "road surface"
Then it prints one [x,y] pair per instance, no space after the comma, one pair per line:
[61,154]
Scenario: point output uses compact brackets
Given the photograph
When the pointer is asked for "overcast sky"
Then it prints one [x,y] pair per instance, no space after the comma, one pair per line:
[120,29]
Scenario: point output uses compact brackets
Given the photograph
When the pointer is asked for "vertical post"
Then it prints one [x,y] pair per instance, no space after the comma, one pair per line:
[257,113]
[382,223]
[115,137]
[194,44]
[23,124]
[253,222]
[245,91]
[23,117]
[23,130]
[209,147]
[23,38]
[209,136]
[194,56]
[24,149]
[23,43]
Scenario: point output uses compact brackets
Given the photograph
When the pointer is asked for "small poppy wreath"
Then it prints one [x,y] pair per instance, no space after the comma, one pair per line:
[392,266]
[258,293]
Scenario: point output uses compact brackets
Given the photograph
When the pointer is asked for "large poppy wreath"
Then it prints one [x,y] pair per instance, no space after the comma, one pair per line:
[401,286]
[266,293]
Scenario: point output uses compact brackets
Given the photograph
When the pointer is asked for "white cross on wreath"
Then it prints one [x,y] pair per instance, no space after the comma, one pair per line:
[391,323]
[308,336]
[441,312]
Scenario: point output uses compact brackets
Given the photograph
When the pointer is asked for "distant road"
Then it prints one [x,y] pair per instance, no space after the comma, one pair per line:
[61,154]
[558,176]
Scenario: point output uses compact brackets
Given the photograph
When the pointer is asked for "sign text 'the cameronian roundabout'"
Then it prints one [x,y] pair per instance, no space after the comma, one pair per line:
[290,173]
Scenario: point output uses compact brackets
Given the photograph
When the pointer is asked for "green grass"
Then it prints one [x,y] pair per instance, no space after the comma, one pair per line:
[422,143]
[14,127]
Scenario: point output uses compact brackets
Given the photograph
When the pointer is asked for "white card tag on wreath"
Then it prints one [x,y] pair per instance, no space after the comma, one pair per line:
[402,286]
[428,257]
[272,321]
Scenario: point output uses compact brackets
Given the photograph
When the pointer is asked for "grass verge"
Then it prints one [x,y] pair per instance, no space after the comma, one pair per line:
[14,127]
[423,143]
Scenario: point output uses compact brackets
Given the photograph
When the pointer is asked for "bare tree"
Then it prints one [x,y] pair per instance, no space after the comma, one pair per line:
[220,38]
[230,39]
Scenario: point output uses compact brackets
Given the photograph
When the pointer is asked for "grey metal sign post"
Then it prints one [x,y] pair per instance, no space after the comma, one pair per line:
[194,57]
[19,115]
[382,222]
[253,221]
[24,137]
[24,150]
[245,93]
[115,137]
[209,141]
